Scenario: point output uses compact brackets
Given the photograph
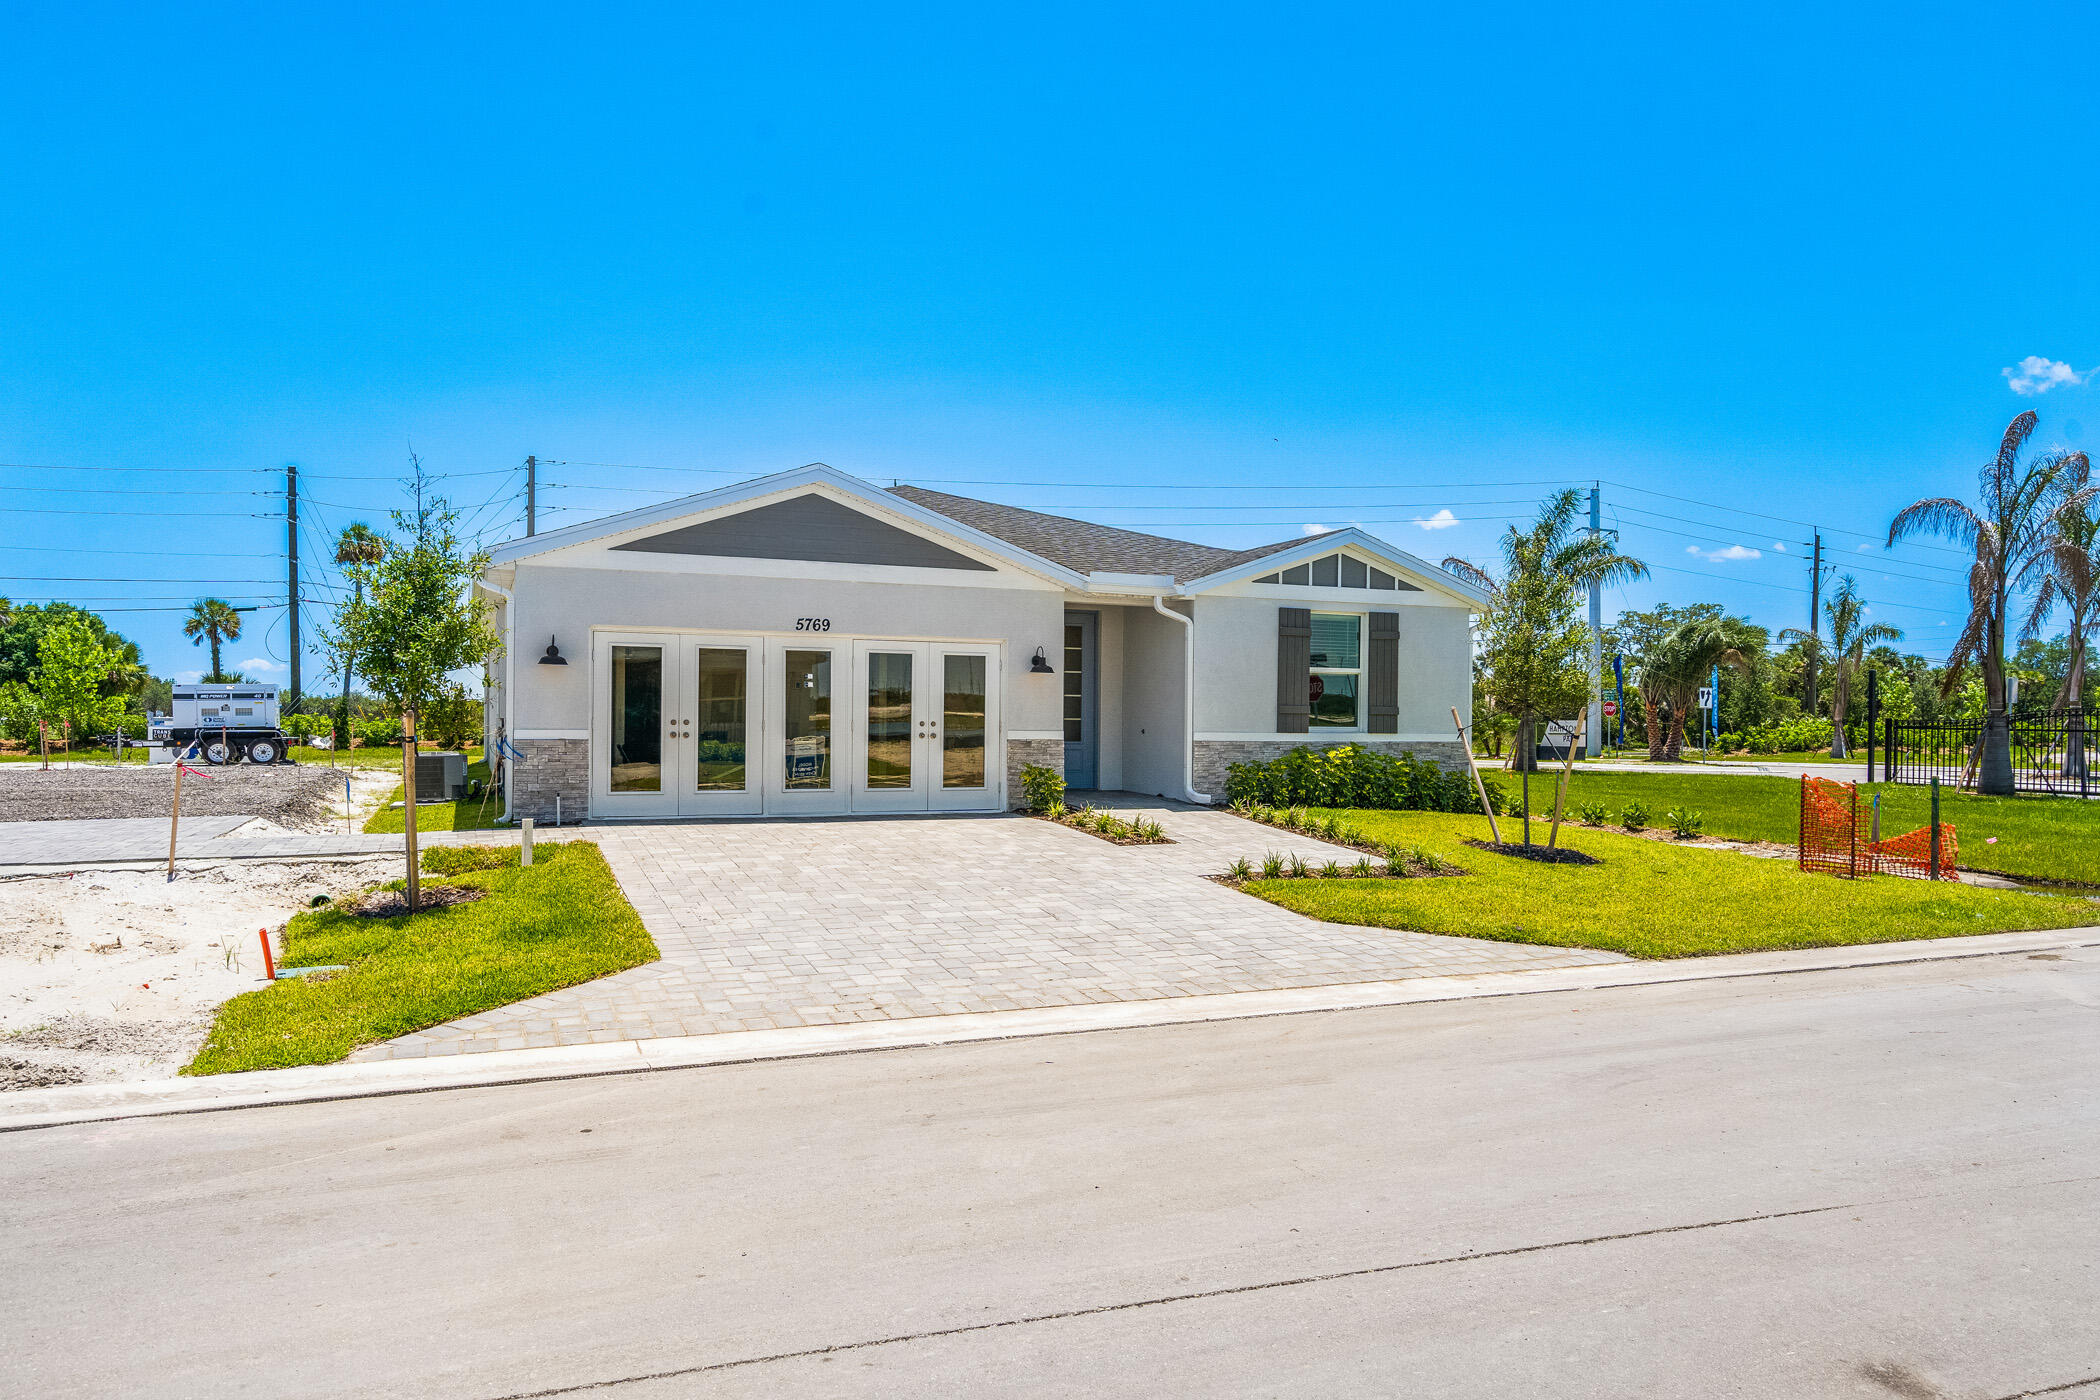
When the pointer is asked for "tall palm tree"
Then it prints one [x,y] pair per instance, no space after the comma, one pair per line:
[1850,636]
[2012,527]
[1670,679]
[2073,579]
[1543,569]
[357,548]
[215,621]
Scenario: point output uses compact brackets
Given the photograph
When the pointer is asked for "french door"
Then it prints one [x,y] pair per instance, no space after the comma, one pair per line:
[676,725]
[926,725]
[685,725]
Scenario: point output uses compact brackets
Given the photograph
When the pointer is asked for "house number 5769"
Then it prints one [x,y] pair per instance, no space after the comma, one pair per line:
[812,624]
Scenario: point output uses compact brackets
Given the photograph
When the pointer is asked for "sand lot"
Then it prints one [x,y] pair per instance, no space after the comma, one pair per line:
[110,975]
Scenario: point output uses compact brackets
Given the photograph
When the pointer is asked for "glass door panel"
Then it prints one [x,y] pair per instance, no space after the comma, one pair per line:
[889,731]
[637,754]
[892,725]
[806,763]
[720,731]
[966,727]
[963,737]
[636,725]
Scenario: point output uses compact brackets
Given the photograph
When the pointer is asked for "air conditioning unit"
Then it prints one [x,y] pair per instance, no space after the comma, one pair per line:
[441,777]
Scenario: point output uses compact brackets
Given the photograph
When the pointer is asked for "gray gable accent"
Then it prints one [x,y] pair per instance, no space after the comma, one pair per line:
[806,527]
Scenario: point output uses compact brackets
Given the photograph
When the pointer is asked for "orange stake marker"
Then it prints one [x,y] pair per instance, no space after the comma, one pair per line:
[269,968]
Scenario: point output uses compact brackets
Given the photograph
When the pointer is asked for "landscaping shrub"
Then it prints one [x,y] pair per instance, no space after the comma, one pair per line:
[379,732]
[1042,788]
[1800,735]
[1684,823]
[1592,813]
[1634,816]
[1349,775]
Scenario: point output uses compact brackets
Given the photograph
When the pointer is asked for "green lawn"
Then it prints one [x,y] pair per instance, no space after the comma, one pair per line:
[561,922]
[1649,899]
[2045,838]
[467,814]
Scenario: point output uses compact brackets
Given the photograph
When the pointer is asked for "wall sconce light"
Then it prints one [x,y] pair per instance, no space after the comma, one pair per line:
[553,656]
[1041,665]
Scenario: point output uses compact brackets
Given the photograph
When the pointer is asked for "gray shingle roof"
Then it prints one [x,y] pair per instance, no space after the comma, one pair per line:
[1084,546]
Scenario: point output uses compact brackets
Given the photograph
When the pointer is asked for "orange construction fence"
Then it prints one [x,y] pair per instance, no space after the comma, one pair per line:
[1831,840]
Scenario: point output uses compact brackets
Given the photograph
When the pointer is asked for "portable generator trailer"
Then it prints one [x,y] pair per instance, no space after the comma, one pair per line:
[225,724]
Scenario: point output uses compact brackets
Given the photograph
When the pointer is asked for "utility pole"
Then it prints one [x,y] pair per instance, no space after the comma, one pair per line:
[291,549]
[1595,728]
[1815,614]
[532,486]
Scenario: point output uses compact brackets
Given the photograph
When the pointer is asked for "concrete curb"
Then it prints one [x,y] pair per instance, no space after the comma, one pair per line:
[100,1103]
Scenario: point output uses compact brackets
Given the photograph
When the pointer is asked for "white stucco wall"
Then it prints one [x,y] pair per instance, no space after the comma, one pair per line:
[1236,660]
[566,602]
[1153,740]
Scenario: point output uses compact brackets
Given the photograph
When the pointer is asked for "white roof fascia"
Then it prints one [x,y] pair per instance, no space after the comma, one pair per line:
[816,474]
[1316,545]
[1135,585]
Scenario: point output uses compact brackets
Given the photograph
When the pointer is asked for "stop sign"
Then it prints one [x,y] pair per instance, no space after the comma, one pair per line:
[1611,709]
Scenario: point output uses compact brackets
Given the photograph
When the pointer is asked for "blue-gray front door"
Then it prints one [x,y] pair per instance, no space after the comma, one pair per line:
[1082,702]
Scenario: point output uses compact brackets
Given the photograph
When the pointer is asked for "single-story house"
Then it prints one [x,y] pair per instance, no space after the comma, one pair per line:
[810,643]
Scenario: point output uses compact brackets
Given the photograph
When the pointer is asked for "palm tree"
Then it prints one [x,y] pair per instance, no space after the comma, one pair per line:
[2011,530]
[1672,676]
[1543,570]
[357,548]
[215,621]
[2073,579]
[1850,636]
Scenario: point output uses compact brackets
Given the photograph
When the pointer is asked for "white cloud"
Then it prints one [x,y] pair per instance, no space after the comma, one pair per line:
[1318,529]
[2037,375]
[188,677]
[1779,545]
[1442,520]
[1734,551]
[1867,548]
[262,665]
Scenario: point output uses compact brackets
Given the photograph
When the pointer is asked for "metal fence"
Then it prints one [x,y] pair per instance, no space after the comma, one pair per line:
[2053,753]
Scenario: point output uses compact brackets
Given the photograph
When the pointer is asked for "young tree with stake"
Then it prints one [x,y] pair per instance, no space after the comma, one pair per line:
[1534,643]
[412,620]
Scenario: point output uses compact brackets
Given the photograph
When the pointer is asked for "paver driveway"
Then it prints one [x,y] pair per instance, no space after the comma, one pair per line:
[770,924]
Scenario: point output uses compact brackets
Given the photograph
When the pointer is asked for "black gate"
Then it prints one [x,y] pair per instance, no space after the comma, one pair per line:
[2052,753]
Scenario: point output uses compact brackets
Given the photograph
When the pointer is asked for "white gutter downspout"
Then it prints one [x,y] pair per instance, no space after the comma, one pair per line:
[510,703]
[1188,699]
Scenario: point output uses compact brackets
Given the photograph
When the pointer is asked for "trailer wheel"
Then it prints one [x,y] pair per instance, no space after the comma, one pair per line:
[264,751]
[221,751]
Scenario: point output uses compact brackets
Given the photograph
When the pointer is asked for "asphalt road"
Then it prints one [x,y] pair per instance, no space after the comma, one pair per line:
[1873,1184]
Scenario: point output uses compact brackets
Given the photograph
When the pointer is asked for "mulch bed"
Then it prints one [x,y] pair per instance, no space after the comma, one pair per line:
[1544,855]
[389,904]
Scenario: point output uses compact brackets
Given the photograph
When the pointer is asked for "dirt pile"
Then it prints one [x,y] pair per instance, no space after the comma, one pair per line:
[301,797]
[114,975]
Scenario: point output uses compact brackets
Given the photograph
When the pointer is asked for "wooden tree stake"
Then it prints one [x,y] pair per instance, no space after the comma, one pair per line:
[1480,787]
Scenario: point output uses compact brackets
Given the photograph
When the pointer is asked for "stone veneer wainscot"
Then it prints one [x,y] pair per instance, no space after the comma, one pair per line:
[551,768]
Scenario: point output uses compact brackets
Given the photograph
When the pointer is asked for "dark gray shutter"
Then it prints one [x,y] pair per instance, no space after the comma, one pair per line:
[1382,667]
[1293,670]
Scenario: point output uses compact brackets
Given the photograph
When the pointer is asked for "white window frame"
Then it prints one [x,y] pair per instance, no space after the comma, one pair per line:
[1363,628]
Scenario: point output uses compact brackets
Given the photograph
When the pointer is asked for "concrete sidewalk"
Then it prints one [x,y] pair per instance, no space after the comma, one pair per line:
[89,1103]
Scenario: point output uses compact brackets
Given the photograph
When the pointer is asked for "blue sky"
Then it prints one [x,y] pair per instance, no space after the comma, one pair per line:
[1398,263]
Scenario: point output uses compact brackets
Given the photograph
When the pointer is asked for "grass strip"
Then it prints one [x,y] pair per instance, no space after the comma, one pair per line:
[560,922]
[2039,837]
[1652,899]
[467,814]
